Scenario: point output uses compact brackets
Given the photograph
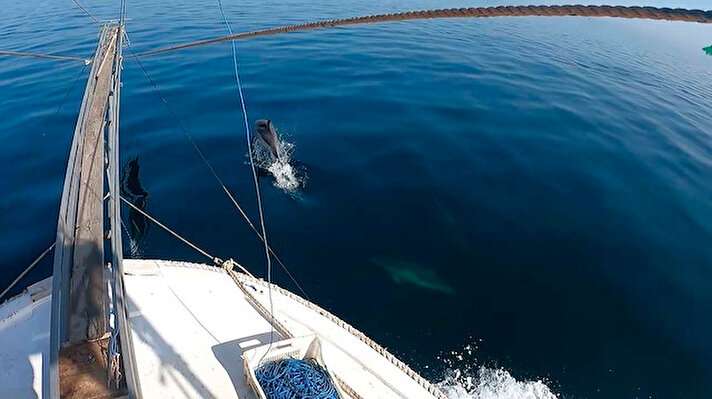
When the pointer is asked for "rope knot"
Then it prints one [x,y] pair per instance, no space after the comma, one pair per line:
[228,264]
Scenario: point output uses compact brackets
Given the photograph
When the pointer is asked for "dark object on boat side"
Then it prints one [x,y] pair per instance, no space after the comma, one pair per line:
[131,189]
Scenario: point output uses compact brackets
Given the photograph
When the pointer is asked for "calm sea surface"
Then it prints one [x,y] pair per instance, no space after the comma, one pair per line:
[528,195]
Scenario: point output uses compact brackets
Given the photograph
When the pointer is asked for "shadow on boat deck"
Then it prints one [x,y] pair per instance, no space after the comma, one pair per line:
[172,363]
[229,354]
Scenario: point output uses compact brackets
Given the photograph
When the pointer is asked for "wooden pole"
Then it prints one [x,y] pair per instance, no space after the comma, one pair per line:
[78,345]
[87,295]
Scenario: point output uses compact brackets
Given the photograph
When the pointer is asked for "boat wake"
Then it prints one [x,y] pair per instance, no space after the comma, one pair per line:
[487,383]
[287,177]
[464,381]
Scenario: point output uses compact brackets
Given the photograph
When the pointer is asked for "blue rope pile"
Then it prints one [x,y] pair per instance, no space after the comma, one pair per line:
[295,379]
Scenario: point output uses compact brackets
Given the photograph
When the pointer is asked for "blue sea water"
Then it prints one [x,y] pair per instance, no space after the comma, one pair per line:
[515,206]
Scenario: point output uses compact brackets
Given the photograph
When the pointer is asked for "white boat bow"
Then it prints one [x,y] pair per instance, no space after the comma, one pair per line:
[191,323]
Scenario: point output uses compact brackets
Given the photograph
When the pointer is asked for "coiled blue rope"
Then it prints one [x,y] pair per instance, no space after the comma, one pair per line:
[295,379]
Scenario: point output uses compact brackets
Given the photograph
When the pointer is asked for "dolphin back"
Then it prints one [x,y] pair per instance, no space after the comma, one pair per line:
[268,135]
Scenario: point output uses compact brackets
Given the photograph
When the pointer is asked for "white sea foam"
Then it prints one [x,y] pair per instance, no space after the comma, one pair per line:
[135,248]
[487,383]
[464,379]
[286,177]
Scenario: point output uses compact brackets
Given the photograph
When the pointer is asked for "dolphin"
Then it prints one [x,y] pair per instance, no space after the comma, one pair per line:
[410,273]
[268,136]
[131,189]
[130,183]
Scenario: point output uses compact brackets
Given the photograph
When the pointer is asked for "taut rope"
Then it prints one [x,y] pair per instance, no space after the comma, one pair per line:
[27,269]
[248,137]
[229,194]
[78,4]
[214,259]
[667,14]
[48,56]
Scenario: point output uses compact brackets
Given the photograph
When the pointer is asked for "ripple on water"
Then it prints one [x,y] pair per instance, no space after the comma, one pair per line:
[555,172]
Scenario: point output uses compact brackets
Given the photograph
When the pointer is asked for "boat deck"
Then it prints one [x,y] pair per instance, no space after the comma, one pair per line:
[24,340]
[190,325]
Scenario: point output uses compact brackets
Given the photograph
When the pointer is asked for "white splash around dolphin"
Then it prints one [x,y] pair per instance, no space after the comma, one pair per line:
[286,177]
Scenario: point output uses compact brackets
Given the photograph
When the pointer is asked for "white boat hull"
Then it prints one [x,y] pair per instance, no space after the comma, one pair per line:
[190,325]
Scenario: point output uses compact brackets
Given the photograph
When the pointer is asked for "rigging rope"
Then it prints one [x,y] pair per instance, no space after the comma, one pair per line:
[212,258]
[252,167]
[227,192]
[666,14]
[43,254]
[48,56]
[74,83]
[227,264]
[27,269]
[122,14]
[86,12]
